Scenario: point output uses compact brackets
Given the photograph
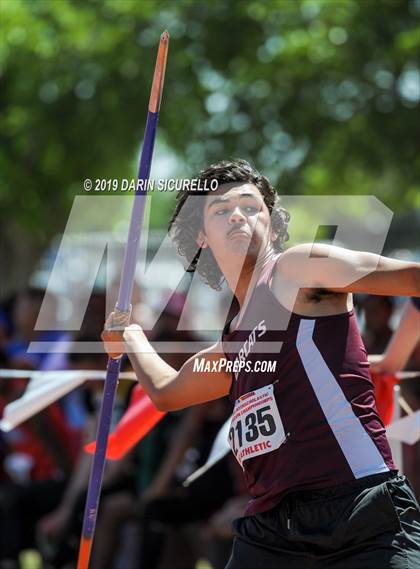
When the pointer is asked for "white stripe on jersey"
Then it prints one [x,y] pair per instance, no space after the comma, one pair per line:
[359,449]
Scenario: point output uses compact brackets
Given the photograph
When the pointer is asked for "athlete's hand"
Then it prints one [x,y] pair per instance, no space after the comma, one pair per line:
[112,335]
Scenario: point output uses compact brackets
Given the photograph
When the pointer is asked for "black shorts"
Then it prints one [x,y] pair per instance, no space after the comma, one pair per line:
[371,523]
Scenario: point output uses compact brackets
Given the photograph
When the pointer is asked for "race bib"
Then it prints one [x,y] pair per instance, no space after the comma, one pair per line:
[256,426]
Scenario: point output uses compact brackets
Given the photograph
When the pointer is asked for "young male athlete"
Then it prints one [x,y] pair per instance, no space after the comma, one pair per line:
[325,492]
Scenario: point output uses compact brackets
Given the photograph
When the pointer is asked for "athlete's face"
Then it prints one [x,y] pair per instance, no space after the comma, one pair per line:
[236,220]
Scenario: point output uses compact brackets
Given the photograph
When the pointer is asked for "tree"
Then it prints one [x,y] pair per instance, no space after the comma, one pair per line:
[321,95]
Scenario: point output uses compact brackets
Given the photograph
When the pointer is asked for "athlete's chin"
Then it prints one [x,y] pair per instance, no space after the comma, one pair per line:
[239,246]
[245,251]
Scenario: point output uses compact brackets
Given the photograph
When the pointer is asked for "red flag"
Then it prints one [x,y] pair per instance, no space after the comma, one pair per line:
[384,393]
[140,418]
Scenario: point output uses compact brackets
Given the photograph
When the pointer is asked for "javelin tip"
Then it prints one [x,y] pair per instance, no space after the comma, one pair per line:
[157,84]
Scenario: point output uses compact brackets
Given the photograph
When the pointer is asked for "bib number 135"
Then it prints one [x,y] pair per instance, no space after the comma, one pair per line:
[256,426]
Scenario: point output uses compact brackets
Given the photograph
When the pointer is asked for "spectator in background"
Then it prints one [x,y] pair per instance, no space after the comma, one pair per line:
[219,530]
[167,505]
[120,510]
[37,461]
[5,328]
[377,311]
[94,315]
[403,343]
[4,448]
[25,314]
[59,528]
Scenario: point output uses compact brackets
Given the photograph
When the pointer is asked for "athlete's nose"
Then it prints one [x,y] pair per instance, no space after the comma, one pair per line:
[237,216]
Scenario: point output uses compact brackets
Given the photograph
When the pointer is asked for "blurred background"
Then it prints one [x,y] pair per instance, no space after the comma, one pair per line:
[322,96]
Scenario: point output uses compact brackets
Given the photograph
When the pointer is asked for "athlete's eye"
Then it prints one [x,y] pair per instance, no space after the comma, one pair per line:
[221,211]
[251,209]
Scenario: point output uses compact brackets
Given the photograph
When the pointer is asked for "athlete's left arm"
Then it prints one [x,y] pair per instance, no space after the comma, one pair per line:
[343,270]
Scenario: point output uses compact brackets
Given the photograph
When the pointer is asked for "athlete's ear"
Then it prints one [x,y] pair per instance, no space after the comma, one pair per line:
[201,240]
[273,236]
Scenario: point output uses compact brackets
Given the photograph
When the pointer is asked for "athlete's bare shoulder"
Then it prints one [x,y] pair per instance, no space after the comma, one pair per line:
[301,252]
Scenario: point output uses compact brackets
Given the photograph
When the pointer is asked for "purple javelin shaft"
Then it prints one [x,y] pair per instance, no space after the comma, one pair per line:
[124,297]
[123,303]
[136,222]
[97,470]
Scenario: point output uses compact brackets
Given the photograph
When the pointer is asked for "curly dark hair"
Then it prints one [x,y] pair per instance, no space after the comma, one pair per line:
[187,219]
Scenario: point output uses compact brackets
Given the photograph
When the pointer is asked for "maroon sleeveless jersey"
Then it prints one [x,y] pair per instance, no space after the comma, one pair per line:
[305,416]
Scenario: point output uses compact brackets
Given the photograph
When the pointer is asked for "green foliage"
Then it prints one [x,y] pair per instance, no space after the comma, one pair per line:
[321,95]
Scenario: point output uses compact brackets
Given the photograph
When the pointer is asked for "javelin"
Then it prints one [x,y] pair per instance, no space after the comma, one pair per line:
[123,304]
